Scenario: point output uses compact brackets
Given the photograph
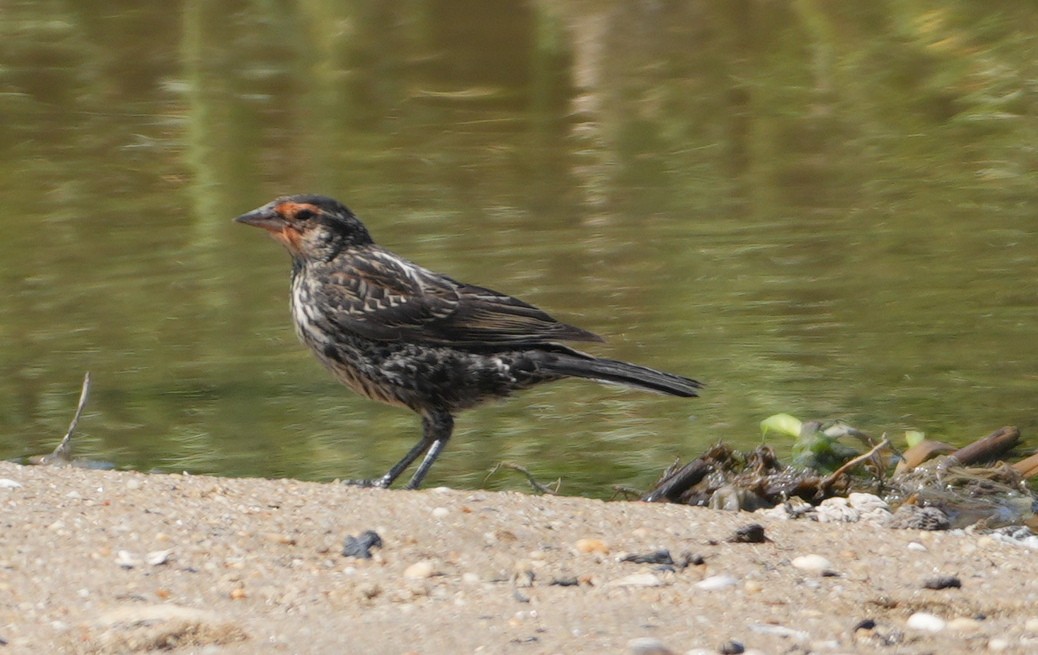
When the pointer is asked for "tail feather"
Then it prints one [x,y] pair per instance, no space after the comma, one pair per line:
[631,375]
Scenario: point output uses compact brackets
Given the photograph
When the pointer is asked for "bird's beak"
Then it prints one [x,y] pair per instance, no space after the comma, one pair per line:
[264,217]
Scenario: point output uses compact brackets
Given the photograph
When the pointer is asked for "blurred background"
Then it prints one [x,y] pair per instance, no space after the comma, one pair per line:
[826,209]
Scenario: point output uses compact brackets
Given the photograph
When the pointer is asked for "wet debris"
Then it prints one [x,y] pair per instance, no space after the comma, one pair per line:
[841,474]
[361,545]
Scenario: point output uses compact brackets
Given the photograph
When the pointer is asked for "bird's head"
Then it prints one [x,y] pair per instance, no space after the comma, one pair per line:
[311,227]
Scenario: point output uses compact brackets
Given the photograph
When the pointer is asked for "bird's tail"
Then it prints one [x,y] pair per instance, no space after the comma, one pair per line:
[616,372]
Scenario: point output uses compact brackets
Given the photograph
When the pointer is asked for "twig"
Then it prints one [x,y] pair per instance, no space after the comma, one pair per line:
[538,486]
[829,479]
[63,453]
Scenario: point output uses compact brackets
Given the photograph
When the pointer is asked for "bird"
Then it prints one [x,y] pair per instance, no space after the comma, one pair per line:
[398,333]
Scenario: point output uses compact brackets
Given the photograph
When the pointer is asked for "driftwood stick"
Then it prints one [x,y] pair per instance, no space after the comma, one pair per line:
[987,448]
[677,483]
[63,453]
[1028,467]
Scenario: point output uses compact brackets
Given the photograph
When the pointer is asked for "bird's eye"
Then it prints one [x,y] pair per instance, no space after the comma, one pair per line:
[304,214]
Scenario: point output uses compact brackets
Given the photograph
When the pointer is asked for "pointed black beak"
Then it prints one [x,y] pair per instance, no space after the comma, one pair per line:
[264,217]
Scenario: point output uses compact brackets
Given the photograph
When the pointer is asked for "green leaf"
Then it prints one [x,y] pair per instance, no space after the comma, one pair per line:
[781,423]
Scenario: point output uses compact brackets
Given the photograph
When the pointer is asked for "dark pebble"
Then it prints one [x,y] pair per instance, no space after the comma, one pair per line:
[749,534]
[943,582]
[732,648]
[864,624]
[565,582]
[361,545]
[657,557]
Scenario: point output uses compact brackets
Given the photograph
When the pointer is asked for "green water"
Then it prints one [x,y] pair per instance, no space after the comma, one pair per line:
[827,209]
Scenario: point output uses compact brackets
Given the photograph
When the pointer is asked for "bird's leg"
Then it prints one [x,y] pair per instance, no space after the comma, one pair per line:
[436,430]
[437,427]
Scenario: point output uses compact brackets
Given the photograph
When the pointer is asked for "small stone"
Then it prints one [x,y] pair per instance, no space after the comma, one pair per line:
[361,545]
[867,502]
[470,578]
[812,564]
[1031,625]
[126,559]
[440,512]
[133,484]
[419,570]
[661,556]
[942,582]
[637,580]
[158,557]
[998,644]
[837,510]
[592,545]
[8,483]
[732,647]
[648,646]
[916,546]
[715,582]
[749,534]
[926,622]
[238,593]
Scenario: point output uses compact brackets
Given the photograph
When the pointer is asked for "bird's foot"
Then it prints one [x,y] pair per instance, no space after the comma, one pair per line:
[376,483]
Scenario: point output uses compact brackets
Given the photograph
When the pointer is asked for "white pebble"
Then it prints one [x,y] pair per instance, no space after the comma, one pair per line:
[8,483]
[916,546]
[812,563]
[998,644]
[158,557]
[716,582]
[648,646]
[133,484]
[926,622]
[126,559]
[422,569]
[836,510]
[440,512]
[1031,625]
[637,580]
[867,502]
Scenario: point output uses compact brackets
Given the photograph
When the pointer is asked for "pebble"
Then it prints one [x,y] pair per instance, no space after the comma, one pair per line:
[592,546]
[926,622]
[1031,625]
[867,502]
[440,512]
[836,510]
[126,559]
[419,570]
[8,483]
[637,580]
[812,563]
[998,644]
[943,582]
[158,557]
[916,546]
[716,582]
[648,646]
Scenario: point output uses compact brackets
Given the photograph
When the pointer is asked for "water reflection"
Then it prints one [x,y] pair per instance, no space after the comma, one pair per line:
[820,209]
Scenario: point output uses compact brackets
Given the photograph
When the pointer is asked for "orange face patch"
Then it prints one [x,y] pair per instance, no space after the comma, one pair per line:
[289,210]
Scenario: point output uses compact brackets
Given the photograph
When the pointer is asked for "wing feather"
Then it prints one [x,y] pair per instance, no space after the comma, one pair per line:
[381,296]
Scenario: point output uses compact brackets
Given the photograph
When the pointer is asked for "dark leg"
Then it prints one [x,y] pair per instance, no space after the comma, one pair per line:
[436,430]
[437,427]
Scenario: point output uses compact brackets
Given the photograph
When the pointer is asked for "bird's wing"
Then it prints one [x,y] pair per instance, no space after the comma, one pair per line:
[381,296]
